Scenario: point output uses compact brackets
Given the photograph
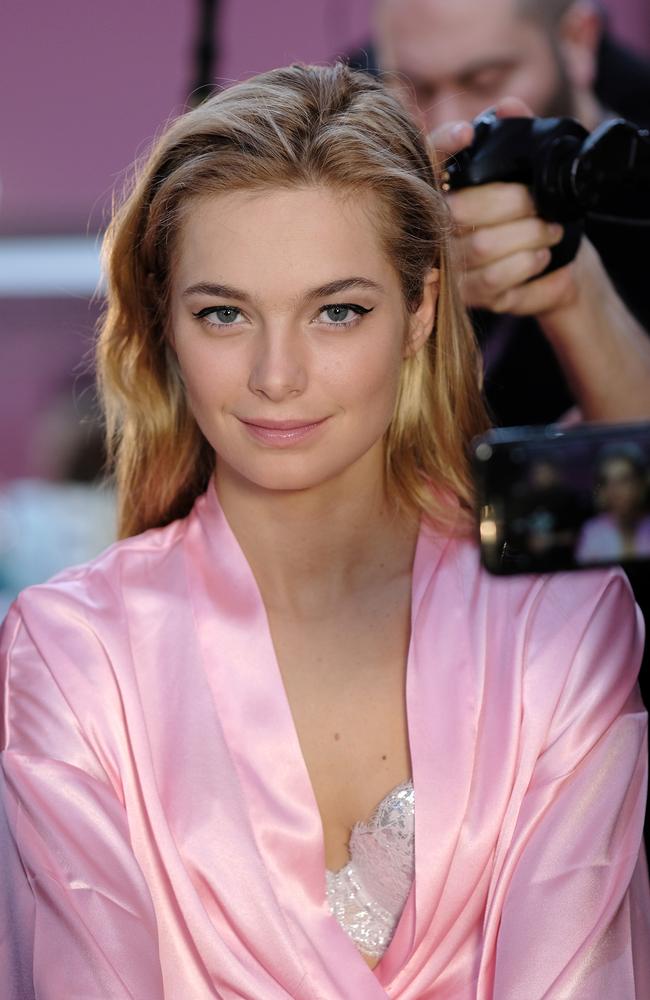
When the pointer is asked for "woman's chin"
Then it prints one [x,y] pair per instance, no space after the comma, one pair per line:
[270,480]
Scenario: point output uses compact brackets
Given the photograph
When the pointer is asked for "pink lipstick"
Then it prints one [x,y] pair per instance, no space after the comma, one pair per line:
[281,433]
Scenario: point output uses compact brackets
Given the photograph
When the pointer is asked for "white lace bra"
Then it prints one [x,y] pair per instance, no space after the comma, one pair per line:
[368,894]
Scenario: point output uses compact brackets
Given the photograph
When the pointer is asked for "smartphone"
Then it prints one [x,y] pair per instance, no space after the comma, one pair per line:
[557,498]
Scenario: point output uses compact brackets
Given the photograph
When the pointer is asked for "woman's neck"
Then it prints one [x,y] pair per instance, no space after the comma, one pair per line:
[310,549]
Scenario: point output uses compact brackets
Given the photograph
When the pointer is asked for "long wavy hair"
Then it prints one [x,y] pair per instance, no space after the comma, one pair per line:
[301,125]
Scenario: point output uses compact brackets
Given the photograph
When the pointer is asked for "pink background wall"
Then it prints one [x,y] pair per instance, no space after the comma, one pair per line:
[630,21]
[84,85]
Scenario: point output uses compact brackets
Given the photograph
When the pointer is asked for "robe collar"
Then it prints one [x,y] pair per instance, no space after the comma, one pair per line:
[254,712]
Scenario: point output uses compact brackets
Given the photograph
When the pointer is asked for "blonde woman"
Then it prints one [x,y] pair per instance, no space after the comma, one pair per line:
[286,738]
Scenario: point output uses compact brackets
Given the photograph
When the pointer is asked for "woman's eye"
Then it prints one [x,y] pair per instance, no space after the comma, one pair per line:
[219,315]
[341,314]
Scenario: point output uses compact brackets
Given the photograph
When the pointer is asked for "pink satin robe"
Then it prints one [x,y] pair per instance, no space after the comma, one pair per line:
[162,838]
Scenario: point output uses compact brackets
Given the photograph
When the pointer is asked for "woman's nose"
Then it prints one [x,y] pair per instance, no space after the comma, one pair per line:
[278,369]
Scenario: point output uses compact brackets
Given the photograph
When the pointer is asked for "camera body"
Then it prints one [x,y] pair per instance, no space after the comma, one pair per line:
[571,173]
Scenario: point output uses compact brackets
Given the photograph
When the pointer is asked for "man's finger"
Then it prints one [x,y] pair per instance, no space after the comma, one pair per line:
[449,139]
[490,204]
[536,297]
[485,286]
[512,107]
[486,244]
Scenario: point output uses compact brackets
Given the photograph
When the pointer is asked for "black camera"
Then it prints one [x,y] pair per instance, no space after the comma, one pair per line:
[572,174]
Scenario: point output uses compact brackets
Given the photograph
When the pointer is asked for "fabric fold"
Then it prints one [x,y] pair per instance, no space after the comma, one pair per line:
[160,834]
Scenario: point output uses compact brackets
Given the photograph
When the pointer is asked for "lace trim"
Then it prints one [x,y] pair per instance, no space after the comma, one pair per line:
[368,894]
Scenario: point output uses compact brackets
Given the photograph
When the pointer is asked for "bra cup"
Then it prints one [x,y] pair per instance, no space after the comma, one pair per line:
[368,894]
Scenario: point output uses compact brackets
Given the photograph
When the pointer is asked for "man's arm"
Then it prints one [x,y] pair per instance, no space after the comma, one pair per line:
[603,350]
[503,245]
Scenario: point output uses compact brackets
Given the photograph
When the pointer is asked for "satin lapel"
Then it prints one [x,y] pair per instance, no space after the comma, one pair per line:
[441,706]
[256,718]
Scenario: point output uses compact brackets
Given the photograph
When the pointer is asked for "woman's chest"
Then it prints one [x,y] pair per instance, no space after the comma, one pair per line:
[345,679]
[229,750]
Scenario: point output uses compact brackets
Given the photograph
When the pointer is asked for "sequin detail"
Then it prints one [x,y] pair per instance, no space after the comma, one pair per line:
[368,894]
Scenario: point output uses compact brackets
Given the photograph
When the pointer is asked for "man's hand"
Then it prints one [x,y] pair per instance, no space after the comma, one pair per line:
[602,349]
[501,241]
[502,244]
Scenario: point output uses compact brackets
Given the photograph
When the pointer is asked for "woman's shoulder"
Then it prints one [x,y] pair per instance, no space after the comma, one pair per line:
[570,639]
[94,594]
[69,641]
[526,600]
[545,607]
[566,588]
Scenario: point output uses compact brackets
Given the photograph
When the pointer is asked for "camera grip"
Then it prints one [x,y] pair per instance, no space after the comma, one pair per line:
[534,152]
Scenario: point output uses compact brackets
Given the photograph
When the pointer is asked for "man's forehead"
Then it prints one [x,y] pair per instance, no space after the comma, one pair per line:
[432,13]
[455,34]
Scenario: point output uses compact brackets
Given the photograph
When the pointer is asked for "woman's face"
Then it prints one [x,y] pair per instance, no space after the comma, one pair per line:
[621,487]
[290,329]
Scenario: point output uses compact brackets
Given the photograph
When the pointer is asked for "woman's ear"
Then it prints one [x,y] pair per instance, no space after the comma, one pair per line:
[421,322]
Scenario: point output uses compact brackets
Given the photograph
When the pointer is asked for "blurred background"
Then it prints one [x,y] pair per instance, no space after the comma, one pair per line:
[84,87]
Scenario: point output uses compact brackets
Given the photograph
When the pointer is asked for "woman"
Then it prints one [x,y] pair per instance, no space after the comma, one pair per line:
[622,528]
[295,627]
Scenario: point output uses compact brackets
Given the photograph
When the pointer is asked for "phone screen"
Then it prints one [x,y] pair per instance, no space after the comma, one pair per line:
[553,498]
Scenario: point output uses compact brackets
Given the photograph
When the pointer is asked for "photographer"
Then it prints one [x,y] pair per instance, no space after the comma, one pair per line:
[575,335]
[601,347]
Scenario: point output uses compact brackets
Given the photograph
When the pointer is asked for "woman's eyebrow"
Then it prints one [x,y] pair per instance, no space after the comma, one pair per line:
[343,285]
[216,290]
[220,291]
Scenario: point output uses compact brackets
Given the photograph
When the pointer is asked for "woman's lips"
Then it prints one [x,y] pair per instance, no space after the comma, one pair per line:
[281,433]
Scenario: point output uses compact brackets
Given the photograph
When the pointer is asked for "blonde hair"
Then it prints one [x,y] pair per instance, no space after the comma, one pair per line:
[296,126]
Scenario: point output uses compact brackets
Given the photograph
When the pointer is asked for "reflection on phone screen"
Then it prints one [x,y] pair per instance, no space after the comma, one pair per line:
[552,499]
